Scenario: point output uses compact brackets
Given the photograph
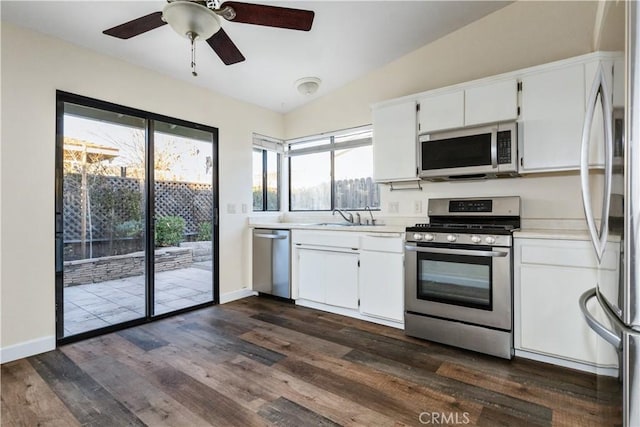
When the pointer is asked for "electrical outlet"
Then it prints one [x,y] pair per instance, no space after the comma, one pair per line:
[394,207]
[244,208]
[417,206]
[231,208]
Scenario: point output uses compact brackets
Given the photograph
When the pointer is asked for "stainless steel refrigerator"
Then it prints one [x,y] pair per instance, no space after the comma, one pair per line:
[615,226]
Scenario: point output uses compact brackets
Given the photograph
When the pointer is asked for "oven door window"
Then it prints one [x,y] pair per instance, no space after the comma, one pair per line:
[455,279]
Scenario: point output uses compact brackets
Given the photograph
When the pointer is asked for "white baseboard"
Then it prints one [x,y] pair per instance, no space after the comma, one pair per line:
[27,348]
[609,371]
[349,313]
[236,295]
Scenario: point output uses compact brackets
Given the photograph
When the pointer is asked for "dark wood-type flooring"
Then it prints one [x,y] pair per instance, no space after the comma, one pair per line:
[263,362]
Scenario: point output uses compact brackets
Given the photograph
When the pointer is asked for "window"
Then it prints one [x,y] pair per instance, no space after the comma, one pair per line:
[266,173]
[333,171]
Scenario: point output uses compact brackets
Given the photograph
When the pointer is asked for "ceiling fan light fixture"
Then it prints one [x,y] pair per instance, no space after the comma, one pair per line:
[188,18]
[308,85]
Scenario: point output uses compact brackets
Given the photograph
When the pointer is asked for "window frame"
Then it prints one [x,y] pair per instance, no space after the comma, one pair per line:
[267,144]
[366,140]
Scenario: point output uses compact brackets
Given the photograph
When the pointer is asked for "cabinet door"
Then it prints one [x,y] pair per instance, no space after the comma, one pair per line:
[618,83]
[311,275]
[382,285]
[491,103]
[394,142]
[341,279]
[552,114]
[550,319]
[441,112]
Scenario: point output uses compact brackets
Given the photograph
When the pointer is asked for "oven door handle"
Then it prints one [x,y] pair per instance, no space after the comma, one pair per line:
[470,252]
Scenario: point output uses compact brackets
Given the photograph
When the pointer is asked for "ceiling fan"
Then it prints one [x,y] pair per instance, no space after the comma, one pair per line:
[199,20]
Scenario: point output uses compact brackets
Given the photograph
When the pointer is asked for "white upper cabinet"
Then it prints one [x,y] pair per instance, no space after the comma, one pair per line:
[444,111]
[552,115]
[553,108]
[491,103]
[550,111]
[394,142]
[476,105]
[618,83]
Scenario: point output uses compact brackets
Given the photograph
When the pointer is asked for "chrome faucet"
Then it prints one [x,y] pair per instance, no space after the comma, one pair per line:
[348,217]
[373,221]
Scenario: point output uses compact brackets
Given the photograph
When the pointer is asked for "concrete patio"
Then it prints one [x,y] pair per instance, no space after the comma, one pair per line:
[96,305]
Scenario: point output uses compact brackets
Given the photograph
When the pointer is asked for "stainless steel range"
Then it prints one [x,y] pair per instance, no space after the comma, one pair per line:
[459,274]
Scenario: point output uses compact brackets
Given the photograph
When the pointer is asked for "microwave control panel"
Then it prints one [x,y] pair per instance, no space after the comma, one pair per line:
[504,147]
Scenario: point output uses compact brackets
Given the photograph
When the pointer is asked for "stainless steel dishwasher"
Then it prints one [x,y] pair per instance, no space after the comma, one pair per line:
[272,262]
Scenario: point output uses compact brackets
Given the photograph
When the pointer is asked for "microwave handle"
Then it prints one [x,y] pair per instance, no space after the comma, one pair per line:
[494,148]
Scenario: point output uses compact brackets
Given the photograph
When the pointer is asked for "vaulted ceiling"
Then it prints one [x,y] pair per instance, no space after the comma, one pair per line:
[348,39]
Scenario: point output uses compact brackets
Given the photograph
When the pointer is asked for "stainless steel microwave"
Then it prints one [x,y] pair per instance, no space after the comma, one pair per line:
[489,151]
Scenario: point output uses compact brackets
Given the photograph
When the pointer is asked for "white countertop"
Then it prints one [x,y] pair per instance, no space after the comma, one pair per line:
[330,227]
[556,234]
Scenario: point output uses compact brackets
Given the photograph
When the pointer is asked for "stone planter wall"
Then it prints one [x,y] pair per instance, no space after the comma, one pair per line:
[201,251]
[96,270]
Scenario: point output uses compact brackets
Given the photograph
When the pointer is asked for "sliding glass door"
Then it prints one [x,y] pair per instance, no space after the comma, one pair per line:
[183,217]
[136,204]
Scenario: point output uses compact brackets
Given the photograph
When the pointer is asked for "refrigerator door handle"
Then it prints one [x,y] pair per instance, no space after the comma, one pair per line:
[599,87]
[609,336]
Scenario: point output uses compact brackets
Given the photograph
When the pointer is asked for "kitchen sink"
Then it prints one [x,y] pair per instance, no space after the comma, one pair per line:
[337,224]
[344,224]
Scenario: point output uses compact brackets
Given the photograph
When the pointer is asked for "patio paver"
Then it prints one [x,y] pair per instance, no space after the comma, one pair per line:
[98,305]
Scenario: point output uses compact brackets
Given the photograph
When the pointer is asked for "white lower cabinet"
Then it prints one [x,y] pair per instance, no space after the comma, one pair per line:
[550,275]
[381,285]
[341,279]
[311,278]
[328,277]
[355,274]
[382,277]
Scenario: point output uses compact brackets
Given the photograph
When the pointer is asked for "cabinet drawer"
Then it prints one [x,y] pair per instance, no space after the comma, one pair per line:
[391,242]
[567,254]
[335,239]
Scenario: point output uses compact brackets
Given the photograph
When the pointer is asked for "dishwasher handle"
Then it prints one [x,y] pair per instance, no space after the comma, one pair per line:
[271,236]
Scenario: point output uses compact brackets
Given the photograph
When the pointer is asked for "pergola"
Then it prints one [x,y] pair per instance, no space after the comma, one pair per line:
[84,153]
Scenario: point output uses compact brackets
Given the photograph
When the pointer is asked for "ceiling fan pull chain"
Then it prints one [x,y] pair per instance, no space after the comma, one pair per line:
[192,37]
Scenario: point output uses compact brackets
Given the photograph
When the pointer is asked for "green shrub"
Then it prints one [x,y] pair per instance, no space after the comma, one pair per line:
[131,228]
[204,232]
[169,230]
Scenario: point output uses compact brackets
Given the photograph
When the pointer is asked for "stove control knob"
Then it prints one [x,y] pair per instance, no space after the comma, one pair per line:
[490,240]
[429,237]
[476,239]
[417,236]
[451,238]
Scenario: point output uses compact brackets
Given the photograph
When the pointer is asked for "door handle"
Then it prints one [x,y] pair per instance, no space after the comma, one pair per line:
[599,87]
[609,336]
[494,148]
[468,252]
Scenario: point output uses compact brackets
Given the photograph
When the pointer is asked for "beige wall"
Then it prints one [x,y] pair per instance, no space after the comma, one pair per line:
[520,35]
[33,67]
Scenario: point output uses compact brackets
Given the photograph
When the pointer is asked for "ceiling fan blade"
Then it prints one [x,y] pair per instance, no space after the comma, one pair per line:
[137,26]
[271,16]
[225,48]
